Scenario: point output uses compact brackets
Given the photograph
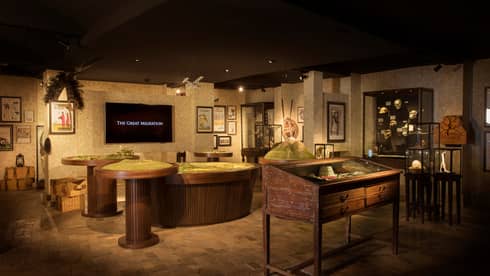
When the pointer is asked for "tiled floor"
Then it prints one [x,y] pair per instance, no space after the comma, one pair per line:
[35,240]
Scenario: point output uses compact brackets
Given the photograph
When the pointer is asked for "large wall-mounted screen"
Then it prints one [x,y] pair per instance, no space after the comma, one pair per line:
[138,123]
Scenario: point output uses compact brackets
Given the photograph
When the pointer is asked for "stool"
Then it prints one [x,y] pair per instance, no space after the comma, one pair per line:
[448,179]
[417,185]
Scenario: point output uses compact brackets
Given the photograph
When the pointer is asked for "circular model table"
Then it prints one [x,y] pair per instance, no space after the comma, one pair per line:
[213,156]
[137,174]
[101,192]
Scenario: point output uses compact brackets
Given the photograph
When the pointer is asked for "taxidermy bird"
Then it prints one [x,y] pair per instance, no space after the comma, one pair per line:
[192,84]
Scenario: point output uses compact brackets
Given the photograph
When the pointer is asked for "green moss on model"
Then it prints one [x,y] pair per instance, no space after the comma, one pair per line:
[199,167]
[289,150]
[137,165]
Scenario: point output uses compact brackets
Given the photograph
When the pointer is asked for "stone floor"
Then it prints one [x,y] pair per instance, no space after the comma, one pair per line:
[35,240]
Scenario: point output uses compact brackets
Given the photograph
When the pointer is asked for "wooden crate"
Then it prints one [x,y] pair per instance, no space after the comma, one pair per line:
[67,203]
[10,173]
[2,185]
[11,184]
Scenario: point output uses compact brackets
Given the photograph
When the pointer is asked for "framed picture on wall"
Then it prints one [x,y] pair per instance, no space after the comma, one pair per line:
[28,116]
[301,116]
[219,121]
[61,117]
[486,140]
[11,109]
[232,127]
[335,122]
[6,138]
[224,141]
[204,119]
[231,112]
[487,106]
[23,134]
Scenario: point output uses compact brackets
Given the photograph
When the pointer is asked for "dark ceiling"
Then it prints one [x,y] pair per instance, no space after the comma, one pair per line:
[262,43]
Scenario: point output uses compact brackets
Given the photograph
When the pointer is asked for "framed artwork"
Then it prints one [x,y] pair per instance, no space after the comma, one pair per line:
[301,116]
[224,141]
[232,127]
[61,117]
[204,119]
[215,141]
[219,120]
[6,138]
[28,116]
[335,122]
[231,115]
[23,134]
[11,109]
[486,161]
[487,106]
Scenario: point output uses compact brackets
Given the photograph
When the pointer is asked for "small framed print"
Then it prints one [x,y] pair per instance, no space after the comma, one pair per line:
[204,119]
[231,112]
[301,116]
[219,121]
[23,134]
[61,117]
[11,109]
[232,127]
[224,141]
[28,116]
[215,141]
[335,122]
[6,138]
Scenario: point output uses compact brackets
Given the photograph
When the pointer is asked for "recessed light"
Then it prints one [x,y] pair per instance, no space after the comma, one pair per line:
[137,60]
[227,70]
[240,88]
[270,61]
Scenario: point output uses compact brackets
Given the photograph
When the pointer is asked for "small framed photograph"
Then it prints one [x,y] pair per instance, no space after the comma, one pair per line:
[232,127]
[215,141]
[335,122]
[301,116]
[28,116]
[6,138]
[486,161]
[224,141]
[231,112]
[204,119]
[61,117]
[23,134]
[219,120]
[11,109]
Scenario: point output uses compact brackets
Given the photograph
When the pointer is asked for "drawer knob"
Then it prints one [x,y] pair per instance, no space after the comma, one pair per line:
[382,188]
[344,197]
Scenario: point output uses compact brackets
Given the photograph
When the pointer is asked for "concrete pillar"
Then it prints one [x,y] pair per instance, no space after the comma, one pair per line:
[313,113]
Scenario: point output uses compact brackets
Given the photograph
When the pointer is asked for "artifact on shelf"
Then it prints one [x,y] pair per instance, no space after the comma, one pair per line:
[452,131]
[443,168]
[416,166]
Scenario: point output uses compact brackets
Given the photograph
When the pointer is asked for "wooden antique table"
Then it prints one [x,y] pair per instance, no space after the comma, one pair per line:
[213,156]
[319,191]
[137,174]
[101,192]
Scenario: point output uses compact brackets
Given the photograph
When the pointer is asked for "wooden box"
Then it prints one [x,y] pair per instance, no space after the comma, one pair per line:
[2,185]
[67,203]
[12,184]
[10,173]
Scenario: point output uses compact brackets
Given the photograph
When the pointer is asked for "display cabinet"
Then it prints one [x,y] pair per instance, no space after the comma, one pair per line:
[324,151]
[319,191]
[252,137]
[422,139]
[387,116]
[266,136]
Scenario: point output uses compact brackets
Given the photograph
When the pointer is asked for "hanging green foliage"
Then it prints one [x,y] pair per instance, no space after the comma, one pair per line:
[73,89]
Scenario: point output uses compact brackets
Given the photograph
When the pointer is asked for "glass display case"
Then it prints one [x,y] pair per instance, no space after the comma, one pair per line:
[388,115]
[448,160]
[320,191]
[266,136]
[422,139]
[324,151]
[253,114]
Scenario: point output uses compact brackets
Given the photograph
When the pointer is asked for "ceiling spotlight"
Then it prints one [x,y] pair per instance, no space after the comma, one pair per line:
[137,60]
[227,70]
[302,77]
[437,67]
[270,61]
[240,88]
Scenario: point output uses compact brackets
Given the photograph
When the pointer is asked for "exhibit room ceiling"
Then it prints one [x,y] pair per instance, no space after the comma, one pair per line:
[253,43]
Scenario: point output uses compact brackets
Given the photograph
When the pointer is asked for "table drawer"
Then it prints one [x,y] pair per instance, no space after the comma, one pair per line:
[341,209]
[379,193]
[340,197]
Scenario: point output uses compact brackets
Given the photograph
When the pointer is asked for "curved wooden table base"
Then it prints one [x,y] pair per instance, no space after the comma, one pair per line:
[101,192]
[138,204]
[213,156]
